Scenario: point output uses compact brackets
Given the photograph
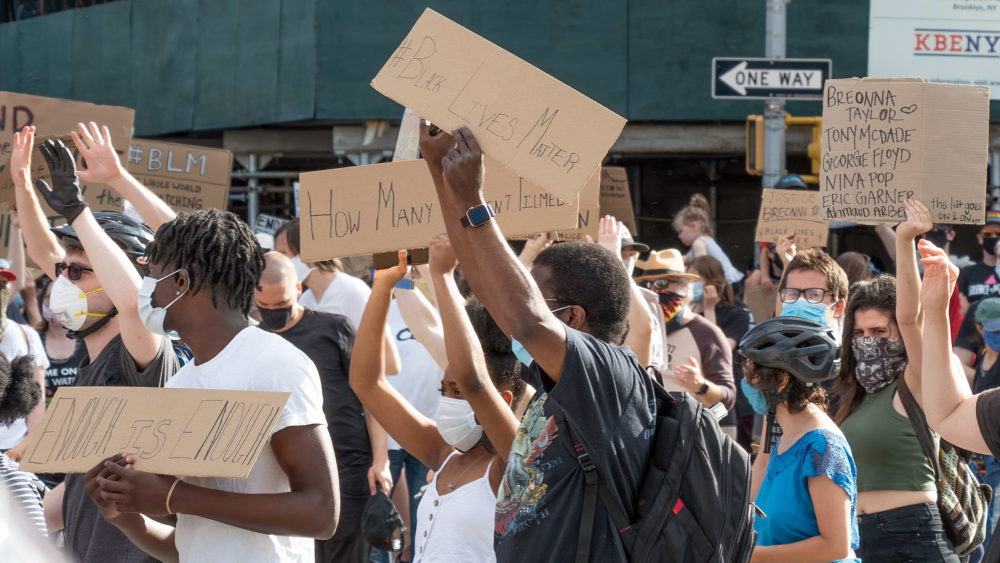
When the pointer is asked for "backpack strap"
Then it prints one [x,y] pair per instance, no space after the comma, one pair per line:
[919,423]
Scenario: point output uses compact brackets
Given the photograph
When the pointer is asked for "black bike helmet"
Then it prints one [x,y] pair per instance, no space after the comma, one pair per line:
[131,235]
[791,182]
[804,348]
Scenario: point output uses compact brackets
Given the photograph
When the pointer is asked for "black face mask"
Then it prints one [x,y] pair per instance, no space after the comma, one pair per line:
[275,319]
[937,238]
[990,246]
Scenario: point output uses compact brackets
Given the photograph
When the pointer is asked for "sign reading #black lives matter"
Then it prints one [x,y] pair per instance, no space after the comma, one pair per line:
[887,140]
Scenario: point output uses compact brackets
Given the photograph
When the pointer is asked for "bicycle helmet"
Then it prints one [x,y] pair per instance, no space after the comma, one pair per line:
[791,182]
[804,348]
[131,235]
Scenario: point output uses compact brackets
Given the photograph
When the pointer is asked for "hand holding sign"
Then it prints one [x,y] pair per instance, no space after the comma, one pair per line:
[103,164]
[463,169]
[918,220]
[434,146]
[91,480]
[132,490]
[392,276]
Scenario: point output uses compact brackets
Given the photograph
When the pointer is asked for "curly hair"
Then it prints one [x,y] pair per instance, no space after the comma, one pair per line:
[19,392]
[696,211]
[796,395]
[218,250]
[877,294]
[592,277]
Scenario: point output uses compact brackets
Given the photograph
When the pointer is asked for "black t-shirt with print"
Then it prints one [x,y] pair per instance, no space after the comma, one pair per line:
[607,399]
[986,379]
[62,372]
[978,281]
[735,320]
[88,536]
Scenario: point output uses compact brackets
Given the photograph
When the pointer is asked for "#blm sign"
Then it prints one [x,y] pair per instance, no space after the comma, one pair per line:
[185,177]
[189,432]
[886,140]
[615,196]
[543,130]
[795,212]
[55,118]
[381,207]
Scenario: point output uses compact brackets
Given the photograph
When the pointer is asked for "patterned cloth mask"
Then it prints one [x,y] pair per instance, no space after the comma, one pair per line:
[671,303]
[879,360]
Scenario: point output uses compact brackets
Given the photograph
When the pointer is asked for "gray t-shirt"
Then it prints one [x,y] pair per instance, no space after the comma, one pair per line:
[88,537]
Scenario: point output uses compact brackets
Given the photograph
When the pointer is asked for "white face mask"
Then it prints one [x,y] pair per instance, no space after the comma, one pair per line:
[152,317]
[301,270]
[630,264]
[457,424]
[69,303]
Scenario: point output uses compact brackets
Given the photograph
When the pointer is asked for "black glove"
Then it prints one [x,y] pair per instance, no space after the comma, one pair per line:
[64,196]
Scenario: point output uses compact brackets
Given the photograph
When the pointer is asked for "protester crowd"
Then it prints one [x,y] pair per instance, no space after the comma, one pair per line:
[489,406]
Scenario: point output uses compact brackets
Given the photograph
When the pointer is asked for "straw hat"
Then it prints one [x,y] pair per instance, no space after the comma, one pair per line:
[665,264]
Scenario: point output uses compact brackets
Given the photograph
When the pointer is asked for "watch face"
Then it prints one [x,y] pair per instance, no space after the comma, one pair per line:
[478,215]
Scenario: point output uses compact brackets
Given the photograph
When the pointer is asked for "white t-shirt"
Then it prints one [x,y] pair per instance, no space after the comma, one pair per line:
[419,378]
[255,360]
[16,343]
[346,295]
[659,337]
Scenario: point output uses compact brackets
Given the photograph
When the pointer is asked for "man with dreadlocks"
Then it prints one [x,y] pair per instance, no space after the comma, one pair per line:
[95,259]
[203,269]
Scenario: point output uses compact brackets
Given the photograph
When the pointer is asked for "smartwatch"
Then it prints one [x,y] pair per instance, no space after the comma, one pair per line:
[477,215]
[703,389]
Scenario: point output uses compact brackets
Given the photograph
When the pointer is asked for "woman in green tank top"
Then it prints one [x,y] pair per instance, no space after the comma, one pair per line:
[897,494]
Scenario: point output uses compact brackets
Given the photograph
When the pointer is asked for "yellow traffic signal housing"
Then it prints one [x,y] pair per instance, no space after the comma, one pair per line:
[755,145]
[814,149]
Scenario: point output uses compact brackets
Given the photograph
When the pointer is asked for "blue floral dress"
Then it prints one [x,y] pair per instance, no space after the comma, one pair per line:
[784,494]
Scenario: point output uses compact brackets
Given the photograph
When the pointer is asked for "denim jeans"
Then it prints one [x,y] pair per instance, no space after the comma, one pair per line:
[907,533]
[416,477]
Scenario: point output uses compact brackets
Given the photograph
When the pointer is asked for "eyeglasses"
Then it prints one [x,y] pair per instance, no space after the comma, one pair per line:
[991,234]
[661,284]
[73,271]
[812,294]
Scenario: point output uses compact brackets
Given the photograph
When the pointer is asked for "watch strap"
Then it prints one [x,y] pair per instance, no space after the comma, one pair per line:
[484,210]
[703,389]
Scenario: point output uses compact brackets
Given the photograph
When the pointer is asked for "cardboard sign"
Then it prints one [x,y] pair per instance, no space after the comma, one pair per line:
[184,432]
[761,302]
[186,177]
[588,218]
[792,211]
[886,140]
[616,198]
[382,207]
[681,345]
[55,118]
[537,126]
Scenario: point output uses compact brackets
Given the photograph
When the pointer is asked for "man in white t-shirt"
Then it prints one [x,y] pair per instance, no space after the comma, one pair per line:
[204,267]
[18,340]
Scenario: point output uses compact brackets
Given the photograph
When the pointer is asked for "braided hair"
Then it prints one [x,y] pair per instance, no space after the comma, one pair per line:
[217,249]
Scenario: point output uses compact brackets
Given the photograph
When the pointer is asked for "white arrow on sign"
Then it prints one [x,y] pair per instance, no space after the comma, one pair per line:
[740,78]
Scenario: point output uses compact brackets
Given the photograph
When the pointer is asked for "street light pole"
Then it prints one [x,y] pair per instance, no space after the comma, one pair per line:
[774,109]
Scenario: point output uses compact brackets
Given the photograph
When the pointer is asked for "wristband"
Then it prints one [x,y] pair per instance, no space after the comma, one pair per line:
[170,493]
[703,389]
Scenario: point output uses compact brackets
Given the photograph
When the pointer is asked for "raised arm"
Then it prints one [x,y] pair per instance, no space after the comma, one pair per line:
[908,313]
[16,255]
[465,353]
[948,401]
[104,167]
[423,321]
[379,473]
[497,277]
[43,246]
[415,432]
[112,266]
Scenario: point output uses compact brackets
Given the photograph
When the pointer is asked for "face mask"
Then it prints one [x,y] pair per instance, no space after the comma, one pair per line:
[937,238]
[275,319]
[697,292]
[992,340]
[990,246]
[457,424]
[879,360]
[49,316]
[301,270]
[805,310]
[671,303]
[630,264]
[520,352]
[756,398]
[4,302]
[69,303]
[152,317]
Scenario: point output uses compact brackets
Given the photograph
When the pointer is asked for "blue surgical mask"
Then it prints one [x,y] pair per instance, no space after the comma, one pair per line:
[805,310]
[755,397]
[520,352]
[697,292]
[992,339]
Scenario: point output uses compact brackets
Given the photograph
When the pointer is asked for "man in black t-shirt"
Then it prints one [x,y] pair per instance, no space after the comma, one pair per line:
[570,315]
[359,444]
[975,283]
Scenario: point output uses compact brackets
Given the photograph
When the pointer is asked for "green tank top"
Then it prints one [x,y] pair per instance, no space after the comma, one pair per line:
[886,450]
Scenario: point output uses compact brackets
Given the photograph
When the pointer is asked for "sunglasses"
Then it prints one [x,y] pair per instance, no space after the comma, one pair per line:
[73,271]
[812,294]
[661,284]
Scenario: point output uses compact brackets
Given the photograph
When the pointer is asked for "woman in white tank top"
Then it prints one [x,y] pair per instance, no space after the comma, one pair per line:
[454,445]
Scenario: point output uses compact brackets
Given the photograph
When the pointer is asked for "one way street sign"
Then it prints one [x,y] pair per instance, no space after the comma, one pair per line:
[750,78]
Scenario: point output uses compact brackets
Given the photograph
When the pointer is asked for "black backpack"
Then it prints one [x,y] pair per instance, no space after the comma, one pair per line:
[694,500]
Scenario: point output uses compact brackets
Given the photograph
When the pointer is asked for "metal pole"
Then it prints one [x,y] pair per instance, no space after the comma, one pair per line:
[253,191]
[774,110]
[993,189]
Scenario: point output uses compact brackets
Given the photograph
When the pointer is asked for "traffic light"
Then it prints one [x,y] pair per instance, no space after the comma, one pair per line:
[755,144]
